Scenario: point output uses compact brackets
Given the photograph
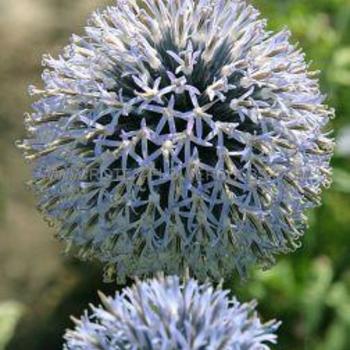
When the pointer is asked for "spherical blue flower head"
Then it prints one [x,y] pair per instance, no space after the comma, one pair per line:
[179,133]
[165,314]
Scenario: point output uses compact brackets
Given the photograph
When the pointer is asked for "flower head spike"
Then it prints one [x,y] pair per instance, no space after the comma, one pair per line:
[166,314]
[179,133]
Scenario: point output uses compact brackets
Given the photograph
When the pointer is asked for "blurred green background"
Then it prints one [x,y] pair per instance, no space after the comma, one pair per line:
[39,287]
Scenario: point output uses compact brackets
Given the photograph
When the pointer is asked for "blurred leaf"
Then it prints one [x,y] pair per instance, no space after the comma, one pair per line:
[10,313]
[316,291]
[280,278]
[343,142]
[339,299]
[335,339]
[340,72]
[341,180]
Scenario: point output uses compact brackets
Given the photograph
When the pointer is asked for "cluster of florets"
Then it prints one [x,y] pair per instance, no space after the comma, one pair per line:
[166,314]
[179,133]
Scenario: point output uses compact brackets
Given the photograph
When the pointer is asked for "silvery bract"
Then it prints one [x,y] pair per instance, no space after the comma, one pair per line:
[164,314]
[179,133]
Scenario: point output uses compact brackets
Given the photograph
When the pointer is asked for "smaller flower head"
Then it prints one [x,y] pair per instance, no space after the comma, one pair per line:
[166,314]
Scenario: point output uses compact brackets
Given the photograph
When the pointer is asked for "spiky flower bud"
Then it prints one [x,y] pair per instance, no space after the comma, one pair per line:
[164,313]
[183,134]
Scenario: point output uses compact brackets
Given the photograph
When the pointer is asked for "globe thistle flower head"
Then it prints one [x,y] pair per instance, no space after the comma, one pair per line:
[184,134]
[164,313]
